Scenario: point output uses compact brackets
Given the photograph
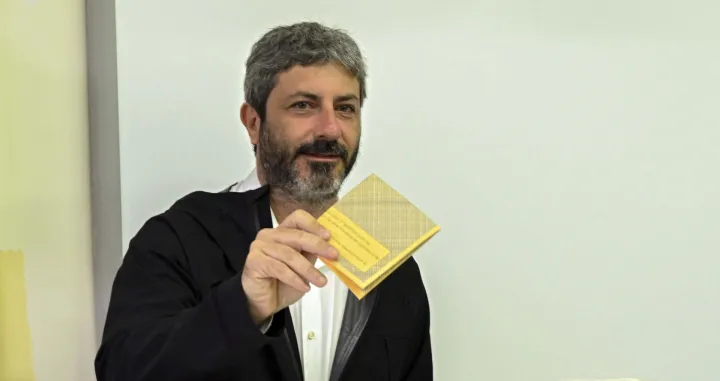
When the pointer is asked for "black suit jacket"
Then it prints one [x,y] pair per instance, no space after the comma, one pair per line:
[178,310]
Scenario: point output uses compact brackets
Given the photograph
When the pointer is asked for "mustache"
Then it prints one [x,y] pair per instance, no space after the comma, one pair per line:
[324,147]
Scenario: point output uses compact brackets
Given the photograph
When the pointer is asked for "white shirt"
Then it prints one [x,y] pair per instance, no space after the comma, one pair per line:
[317,316]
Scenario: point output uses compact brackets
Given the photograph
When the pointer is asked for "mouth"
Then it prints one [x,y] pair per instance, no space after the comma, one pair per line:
[321,157]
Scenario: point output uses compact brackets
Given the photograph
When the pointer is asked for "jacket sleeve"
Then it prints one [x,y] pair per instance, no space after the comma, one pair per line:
[157,326]
[422,369]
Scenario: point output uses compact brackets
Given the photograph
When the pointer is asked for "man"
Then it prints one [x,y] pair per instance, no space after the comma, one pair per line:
[227,286]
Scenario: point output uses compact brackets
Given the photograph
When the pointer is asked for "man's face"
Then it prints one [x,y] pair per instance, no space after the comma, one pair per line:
[309,140]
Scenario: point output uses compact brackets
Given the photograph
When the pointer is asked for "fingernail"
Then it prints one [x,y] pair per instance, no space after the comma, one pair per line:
[333,252]
[326,234]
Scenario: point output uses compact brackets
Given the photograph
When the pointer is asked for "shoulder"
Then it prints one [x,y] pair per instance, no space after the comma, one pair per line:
[406,285]
[203,202]
[415,280]
[201,236]
[401,305]
[179,216]
[410,274]
[198,212]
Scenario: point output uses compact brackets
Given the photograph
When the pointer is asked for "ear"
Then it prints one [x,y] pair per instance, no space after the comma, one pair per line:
[251,120]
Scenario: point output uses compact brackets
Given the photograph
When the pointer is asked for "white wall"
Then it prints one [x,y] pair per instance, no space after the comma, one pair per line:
[567,149]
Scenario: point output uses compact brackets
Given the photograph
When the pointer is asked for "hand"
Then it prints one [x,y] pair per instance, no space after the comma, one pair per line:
[281,264]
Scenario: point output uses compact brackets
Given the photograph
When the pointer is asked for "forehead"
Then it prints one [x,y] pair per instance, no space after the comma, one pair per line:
[326,80]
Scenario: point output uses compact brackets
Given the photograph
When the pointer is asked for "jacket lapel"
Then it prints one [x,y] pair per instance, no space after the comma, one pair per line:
[257,216]
[288,356]
[249,212]
[292,342]
[260,201]
[355,318]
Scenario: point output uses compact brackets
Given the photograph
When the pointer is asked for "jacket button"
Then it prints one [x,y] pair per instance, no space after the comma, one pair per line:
[311,335]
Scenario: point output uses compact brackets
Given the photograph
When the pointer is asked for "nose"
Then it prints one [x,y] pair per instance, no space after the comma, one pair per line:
[328,126]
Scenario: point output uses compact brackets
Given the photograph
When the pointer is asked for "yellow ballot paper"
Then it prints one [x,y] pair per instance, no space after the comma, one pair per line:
[15,348]
[376,230]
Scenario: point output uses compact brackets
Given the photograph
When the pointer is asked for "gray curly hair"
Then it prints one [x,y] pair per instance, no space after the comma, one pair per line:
[304,44]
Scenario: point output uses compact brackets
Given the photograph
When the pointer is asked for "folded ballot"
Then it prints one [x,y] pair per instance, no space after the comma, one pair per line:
[375,229]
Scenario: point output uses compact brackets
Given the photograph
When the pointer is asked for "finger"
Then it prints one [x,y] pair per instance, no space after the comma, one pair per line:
[310,257]
[303,241]
[284,274]
[303,220]
[297,262]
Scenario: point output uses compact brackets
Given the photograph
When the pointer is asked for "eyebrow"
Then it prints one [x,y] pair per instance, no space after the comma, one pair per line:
[315,97]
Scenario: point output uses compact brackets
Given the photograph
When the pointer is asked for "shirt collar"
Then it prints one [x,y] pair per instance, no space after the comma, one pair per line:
[252,181]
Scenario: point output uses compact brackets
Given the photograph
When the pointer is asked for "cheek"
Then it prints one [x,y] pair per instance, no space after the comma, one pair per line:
[351,137]
[295,132]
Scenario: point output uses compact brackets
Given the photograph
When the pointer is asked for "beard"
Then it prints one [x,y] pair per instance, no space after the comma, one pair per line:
[320,185]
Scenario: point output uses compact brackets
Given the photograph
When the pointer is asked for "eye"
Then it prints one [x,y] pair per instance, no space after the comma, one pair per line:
[347,108]
[302,105]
